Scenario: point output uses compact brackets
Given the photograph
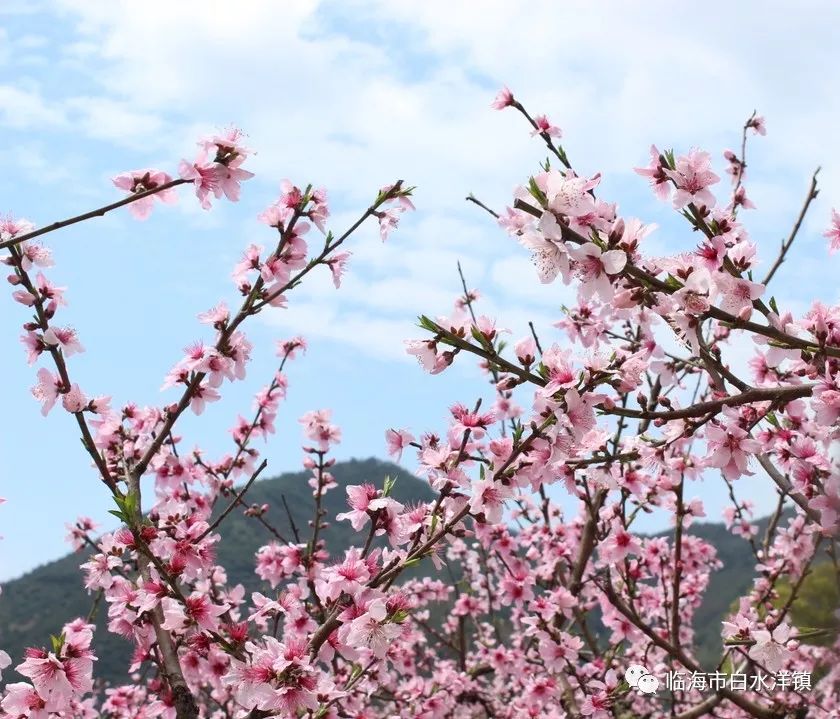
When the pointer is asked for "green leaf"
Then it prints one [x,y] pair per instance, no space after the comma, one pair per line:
[57,642]
[388,486]
[773,305]
[536,192]
[673,283]
[399,616]
[428,324]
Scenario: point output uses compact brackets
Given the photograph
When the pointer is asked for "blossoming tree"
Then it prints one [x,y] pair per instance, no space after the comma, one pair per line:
[549,612]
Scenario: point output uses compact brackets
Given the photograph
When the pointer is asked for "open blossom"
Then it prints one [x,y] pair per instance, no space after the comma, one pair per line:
[488,499]
[372,631]
[503,99]
[426,353]
[278,677]
[221,175]
[543,126]
[656,171]
[769,648]
[475,422]
[833,232]
[828,505]
[337,264]
[61,676]
[618,544]
[47,390]
[5,661]
[757,124]
[11,227]
[729,449]
[359,497]
[197,609]
[44,291]
[201,395]
[79,531]
[139,181]
[568,194]
[74,400]
[594,269]
[397,440]
[737,295]
[827,400]
[64,338]
[693,176]
[557,656]
[550,255]
[561,372]
[350,577]
[317,427]
[23,700]
[388,220]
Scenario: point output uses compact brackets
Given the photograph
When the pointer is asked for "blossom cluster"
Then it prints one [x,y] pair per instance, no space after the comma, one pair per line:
[494,597]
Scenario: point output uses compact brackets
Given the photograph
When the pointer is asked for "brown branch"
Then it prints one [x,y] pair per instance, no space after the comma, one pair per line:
[236,500]
[757,710]
[810,197]
[61,367]
[759,394]
[89,215]
[185,704]
[476,201]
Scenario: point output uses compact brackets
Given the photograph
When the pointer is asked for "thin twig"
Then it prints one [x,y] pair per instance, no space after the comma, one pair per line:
[811,196]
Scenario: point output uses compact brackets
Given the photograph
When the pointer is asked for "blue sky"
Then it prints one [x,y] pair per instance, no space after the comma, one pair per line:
[353,95]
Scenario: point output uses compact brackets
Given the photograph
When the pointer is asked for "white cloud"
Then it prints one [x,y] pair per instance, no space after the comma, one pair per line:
[115,121]
[25,108]
[348,97]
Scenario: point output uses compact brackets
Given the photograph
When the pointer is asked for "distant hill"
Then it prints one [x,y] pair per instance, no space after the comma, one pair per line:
[39,603]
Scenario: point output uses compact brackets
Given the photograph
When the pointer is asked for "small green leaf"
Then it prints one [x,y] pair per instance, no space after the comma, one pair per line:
[428,324]
[673,283]
[57,642]
[536,192]
[388,486]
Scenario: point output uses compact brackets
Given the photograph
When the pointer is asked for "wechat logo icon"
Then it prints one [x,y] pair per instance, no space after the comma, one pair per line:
[638,677]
